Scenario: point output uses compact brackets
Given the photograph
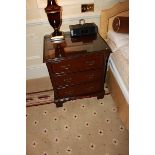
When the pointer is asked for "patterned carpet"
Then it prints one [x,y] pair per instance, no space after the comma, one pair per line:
[80,127]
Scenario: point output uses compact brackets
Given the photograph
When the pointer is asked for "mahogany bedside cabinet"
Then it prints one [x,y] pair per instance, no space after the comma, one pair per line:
[76,66]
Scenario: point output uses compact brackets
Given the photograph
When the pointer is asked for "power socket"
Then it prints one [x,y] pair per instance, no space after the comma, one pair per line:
[87,7]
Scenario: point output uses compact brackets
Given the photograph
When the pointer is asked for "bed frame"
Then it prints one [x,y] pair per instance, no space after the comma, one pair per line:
[107,16]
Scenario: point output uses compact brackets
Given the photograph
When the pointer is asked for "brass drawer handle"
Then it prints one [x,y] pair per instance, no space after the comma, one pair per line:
[90,63]
[67,79]
[66,67]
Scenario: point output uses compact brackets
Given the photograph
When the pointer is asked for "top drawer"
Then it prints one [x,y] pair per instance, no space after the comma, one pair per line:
[77,64]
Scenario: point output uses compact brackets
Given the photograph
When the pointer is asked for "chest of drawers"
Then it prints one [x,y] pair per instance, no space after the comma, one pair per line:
[77,67]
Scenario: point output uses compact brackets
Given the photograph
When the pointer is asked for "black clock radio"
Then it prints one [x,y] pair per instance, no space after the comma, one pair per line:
[84,29]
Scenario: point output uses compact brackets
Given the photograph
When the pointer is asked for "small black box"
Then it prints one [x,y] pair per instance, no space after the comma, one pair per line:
[85,29]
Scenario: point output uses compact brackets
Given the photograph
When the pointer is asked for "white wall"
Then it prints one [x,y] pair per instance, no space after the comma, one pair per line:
[38,26]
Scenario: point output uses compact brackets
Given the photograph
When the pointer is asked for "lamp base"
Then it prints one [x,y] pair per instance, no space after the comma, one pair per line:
[57,37]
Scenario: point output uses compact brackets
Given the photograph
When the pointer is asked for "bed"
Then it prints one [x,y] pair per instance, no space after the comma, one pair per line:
[118,65]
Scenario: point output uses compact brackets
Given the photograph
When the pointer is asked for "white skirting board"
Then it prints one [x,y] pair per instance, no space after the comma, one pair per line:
[36,71]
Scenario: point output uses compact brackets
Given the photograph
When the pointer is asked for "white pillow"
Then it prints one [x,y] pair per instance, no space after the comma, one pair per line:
[121,43]
[120,39]
[124,50]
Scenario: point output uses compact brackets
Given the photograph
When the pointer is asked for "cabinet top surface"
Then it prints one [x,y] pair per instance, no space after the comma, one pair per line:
[73,46]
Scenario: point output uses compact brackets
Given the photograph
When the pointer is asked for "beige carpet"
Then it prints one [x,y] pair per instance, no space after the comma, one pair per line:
[80,127]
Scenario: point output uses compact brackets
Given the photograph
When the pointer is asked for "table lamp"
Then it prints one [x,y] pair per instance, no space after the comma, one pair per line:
[54,13]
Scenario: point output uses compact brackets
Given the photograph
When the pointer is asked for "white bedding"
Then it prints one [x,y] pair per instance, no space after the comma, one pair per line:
[118,39]
[118,78]
[119,60]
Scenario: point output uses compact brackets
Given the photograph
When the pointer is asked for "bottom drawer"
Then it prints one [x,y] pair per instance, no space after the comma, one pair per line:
[78,90]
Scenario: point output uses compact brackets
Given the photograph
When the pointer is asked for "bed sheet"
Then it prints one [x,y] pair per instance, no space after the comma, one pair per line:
[119,64]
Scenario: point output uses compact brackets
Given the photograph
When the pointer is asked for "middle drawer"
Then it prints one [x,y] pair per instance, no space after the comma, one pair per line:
[77,78]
